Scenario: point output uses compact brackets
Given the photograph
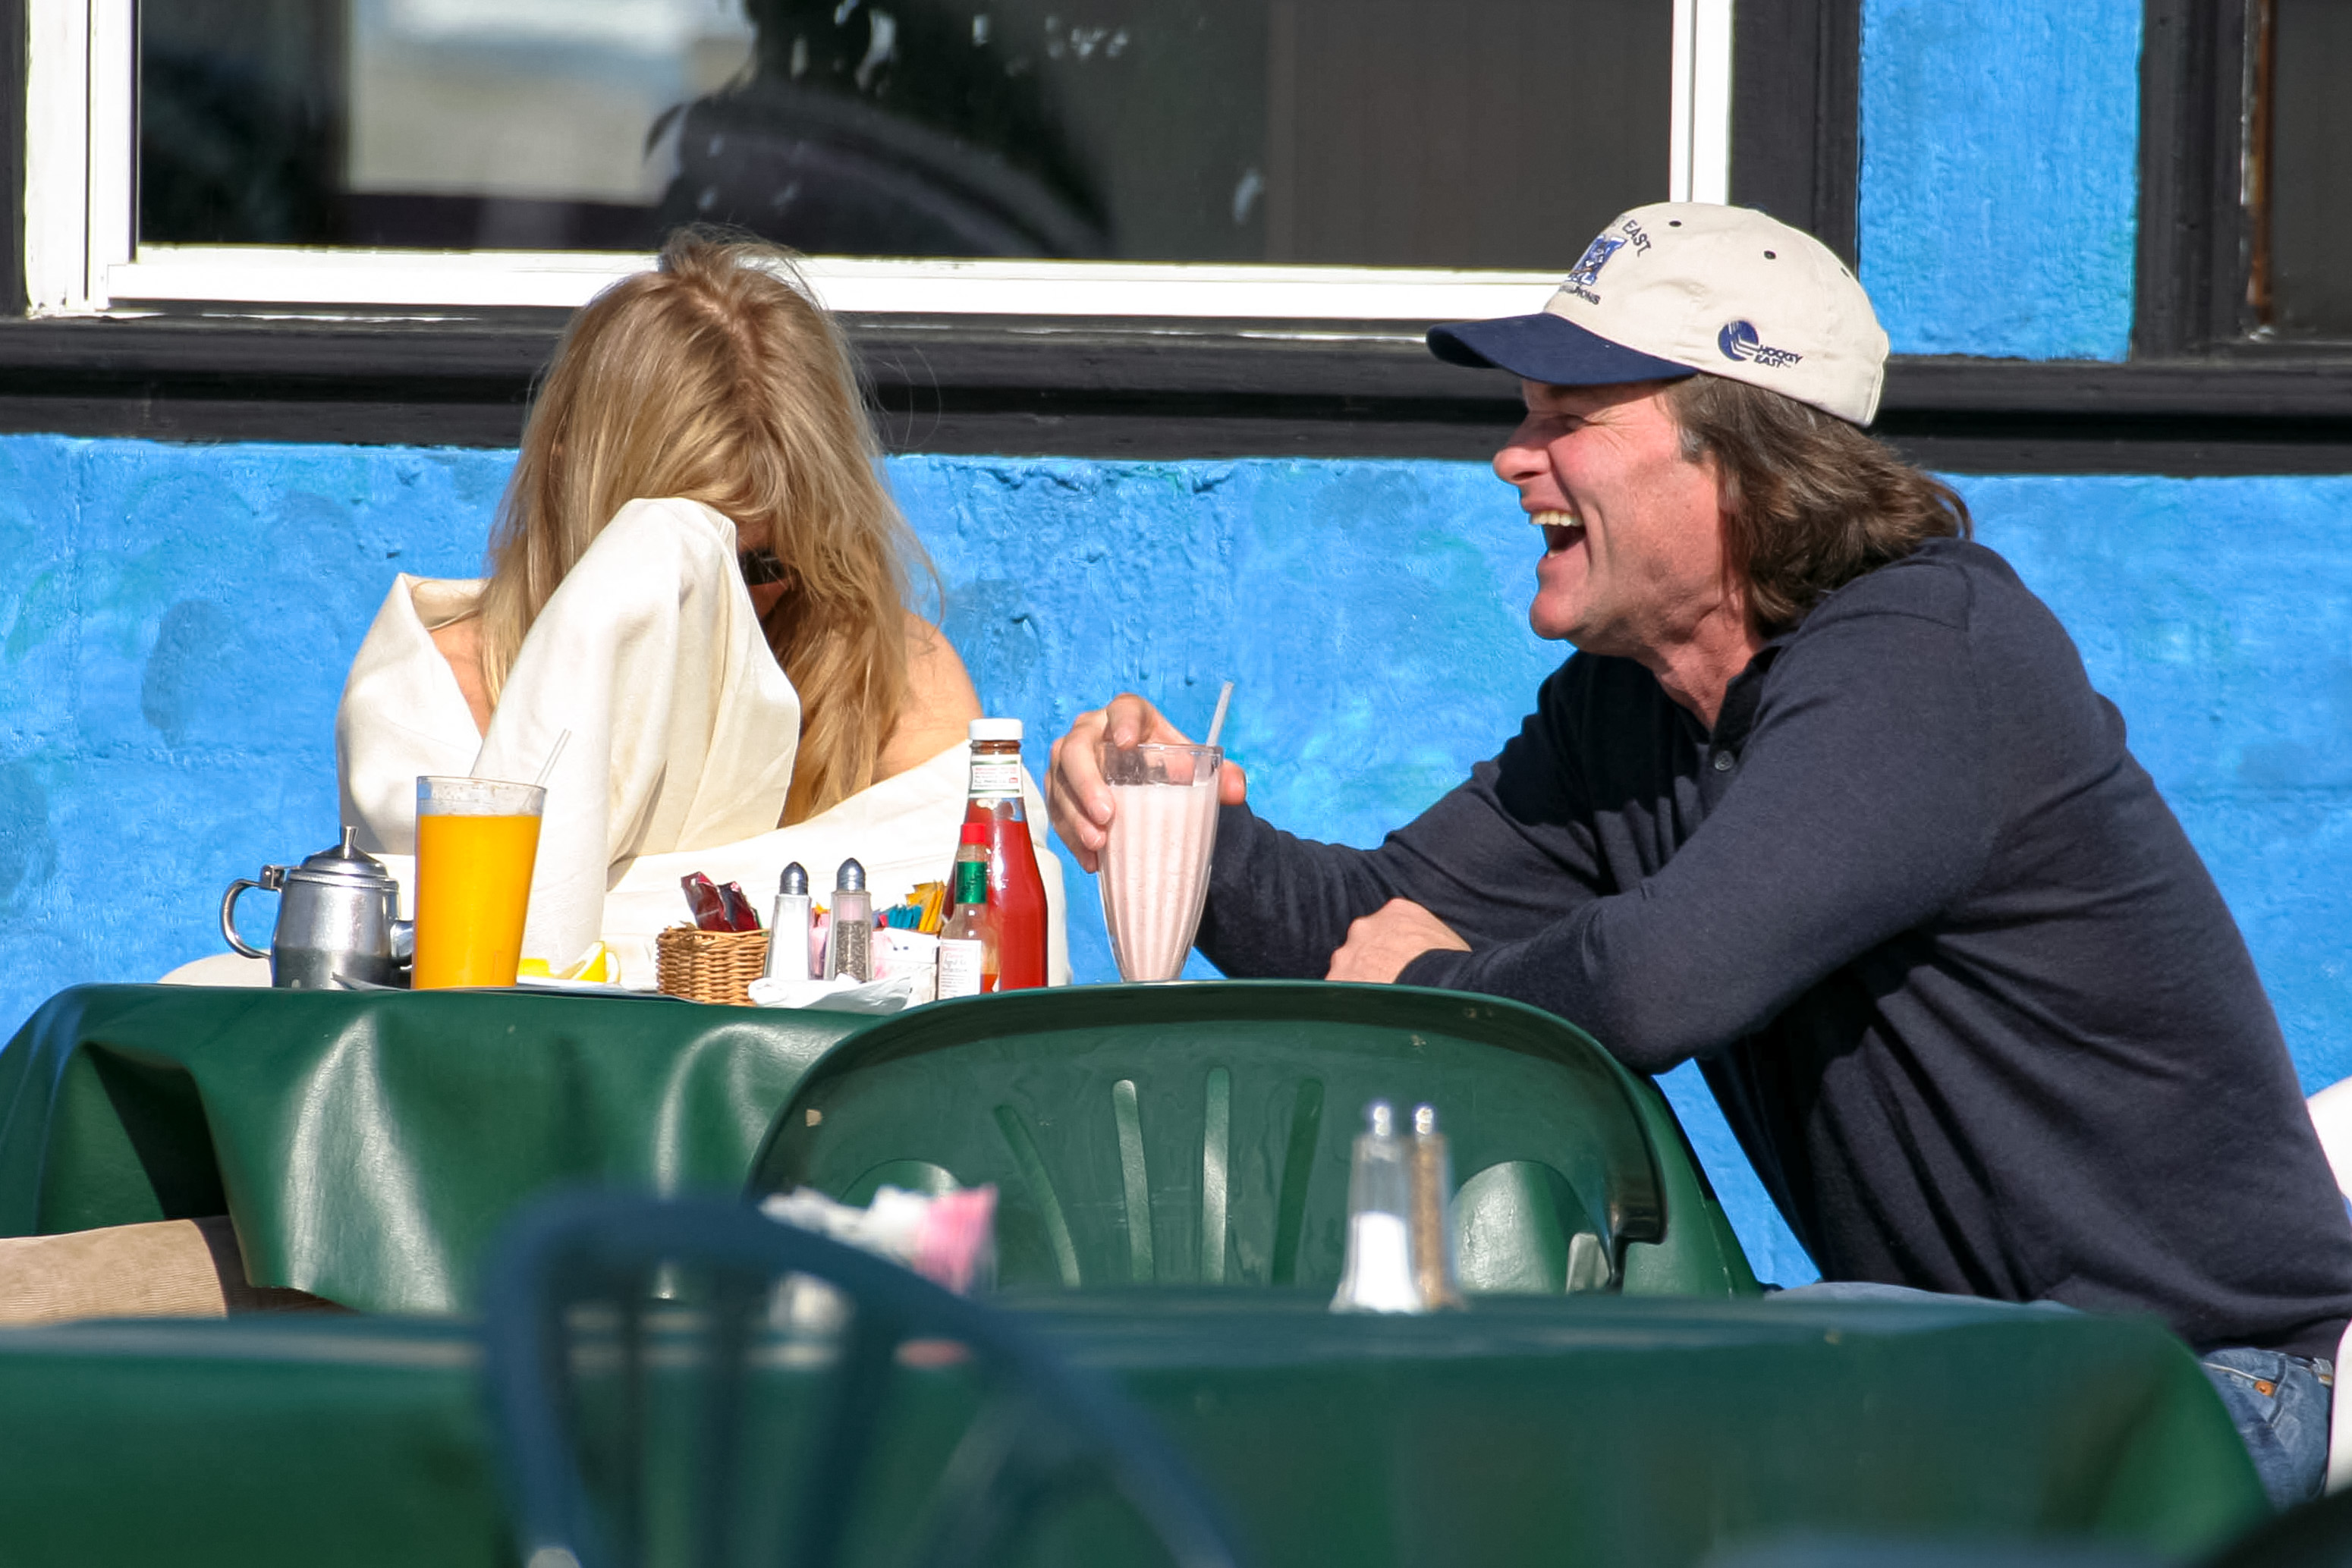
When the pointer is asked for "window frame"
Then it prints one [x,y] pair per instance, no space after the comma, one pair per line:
[1165,387]
[2195,232]
[2197,235]
[78,255]
[2194,402]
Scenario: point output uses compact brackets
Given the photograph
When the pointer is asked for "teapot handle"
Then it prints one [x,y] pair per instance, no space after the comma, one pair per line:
[228,923]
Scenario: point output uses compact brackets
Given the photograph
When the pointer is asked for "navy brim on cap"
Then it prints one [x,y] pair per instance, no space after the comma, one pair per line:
[1548,349]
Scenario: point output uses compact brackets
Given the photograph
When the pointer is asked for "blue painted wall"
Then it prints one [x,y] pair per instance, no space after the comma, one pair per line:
[175,622]
[173,639]
[2000,175]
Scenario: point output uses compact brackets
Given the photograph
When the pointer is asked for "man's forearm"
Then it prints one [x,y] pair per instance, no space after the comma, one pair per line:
[1279,906]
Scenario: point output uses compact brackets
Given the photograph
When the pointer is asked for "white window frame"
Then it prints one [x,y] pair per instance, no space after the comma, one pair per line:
[80,258]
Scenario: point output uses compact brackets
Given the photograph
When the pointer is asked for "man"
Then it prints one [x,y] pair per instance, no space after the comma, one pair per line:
[1825,800]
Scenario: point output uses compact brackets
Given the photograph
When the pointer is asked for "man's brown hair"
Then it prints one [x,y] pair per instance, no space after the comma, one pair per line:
[1810,502]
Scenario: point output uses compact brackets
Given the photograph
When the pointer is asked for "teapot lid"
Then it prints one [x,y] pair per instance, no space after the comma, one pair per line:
[346,863]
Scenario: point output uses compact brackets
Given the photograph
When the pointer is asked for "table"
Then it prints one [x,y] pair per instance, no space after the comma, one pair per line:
[367,1145]
[370,1144]
[1593,1430]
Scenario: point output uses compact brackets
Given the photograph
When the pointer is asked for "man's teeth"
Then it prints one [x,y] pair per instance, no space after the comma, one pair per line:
[1555,519]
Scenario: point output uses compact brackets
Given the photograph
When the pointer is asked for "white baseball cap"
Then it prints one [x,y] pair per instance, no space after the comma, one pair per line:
[1679,287]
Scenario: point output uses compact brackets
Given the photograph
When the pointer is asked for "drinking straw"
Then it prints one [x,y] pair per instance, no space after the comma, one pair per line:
[544,769]
[553,752]
[1217,725]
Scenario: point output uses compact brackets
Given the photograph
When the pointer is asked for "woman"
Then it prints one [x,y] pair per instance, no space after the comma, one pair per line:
[697,574]
[697,577]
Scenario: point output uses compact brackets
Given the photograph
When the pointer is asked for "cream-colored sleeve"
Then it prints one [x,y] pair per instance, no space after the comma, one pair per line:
[682,727]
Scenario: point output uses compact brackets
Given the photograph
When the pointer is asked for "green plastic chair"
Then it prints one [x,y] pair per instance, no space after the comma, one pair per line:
[1199,1134]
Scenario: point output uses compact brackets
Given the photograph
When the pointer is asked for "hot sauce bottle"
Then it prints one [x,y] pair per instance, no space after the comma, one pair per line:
[968,951]
[1016,894]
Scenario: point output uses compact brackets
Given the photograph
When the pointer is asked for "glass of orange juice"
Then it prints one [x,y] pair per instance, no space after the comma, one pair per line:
[476,841]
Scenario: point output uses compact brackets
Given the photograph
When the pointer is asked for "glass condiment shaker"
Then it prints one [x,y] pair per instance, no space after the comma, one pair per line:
[1379,1276]
[1430,1168]
[849,944]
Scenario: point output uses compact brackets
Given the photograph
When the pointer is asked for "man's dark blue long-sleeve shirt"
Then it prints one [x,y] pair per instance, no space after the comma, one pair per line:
[1953,971]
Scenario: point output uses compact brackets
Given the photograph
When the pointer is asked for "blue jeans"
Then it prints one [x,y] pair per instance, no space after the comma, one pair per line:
[2280,1403]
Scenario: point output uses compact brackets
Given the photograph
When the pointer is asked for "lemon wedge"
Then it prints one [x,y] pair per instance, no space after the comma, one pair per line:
[594,968]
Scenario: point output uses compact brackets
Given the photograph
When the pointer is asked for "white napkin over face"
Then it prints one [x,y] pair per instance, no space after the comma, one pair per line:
[683,725]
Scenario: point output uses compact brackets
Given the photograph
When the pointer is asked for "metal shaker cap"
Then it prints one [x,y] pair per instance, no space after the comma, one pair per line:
[795,882]
[851,878]
[345,865]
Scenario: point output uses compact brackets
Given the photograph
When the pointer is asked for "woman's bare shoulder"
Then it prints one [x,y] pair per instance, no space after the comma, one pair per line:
[460,642]
[940,700]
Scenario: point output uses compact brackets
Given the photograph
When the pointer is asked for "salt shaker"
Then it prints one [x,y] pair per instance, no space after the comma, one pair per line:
[1378,1276]
[788,932]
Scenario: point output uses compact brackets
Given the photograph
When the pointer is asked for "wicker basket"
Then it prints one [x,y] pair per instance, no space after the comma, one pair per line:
[709,966]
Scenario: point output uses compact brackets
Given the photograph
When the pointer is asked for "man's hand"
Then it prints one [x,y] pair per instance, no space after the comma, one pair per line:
[1382,943]
[1078,801]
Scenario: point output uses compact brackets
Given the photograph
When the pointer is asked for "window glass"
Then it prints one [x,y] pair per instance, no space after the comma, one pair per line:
[2303,248]
[1487,134]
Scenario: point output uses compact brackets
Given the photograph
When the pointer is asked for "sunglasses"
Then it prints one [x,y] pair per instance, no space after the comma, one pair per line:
[761,567]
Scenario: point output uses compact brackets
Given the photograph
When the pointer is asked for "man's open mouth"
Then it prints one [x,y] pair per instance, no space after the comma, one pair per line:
[1560,530]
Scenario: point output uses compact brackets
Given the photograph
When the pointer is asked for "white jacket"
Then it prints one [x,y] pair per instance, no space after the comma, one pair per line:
[683,733]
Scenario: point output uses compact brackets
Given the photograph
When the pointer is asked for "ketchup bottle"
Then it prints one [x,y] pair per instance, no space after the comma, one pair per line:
[1016,894]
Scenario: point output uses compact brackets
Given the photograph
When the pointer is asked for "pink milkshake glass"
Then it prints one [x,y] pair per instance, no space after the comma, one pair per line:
[1155,867]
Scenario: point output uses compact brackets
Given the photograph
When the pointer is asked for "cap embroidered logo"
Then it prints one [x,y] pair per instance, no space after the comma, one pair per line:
[1587,270]
[1740,340]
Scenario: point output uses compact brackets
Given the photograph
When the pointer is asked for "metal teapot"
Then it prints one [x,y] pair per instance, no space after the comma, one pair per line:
[337,928]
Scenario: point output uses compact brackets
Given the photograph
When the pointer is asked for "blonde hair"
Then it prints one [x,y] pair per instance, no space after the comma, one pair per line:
[717,378]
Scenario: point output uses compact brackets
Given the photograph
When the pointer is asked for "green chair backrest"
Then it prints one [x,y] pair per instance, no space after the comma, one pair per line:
[1199,1134]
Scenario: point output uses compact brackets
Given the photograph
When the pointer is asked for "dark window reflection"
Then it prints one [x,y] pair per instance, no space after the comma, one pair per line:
[2304,283]
[905,129]
[241,120]
[1389,133]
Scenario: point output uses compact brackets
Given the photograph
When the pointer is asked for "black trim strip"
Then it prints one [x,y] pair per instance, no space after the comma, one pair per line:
[1135,390]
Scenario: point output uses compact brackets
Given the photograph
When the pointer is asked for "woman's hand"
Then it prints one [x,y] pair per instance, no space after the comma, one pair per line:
[1078,801]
